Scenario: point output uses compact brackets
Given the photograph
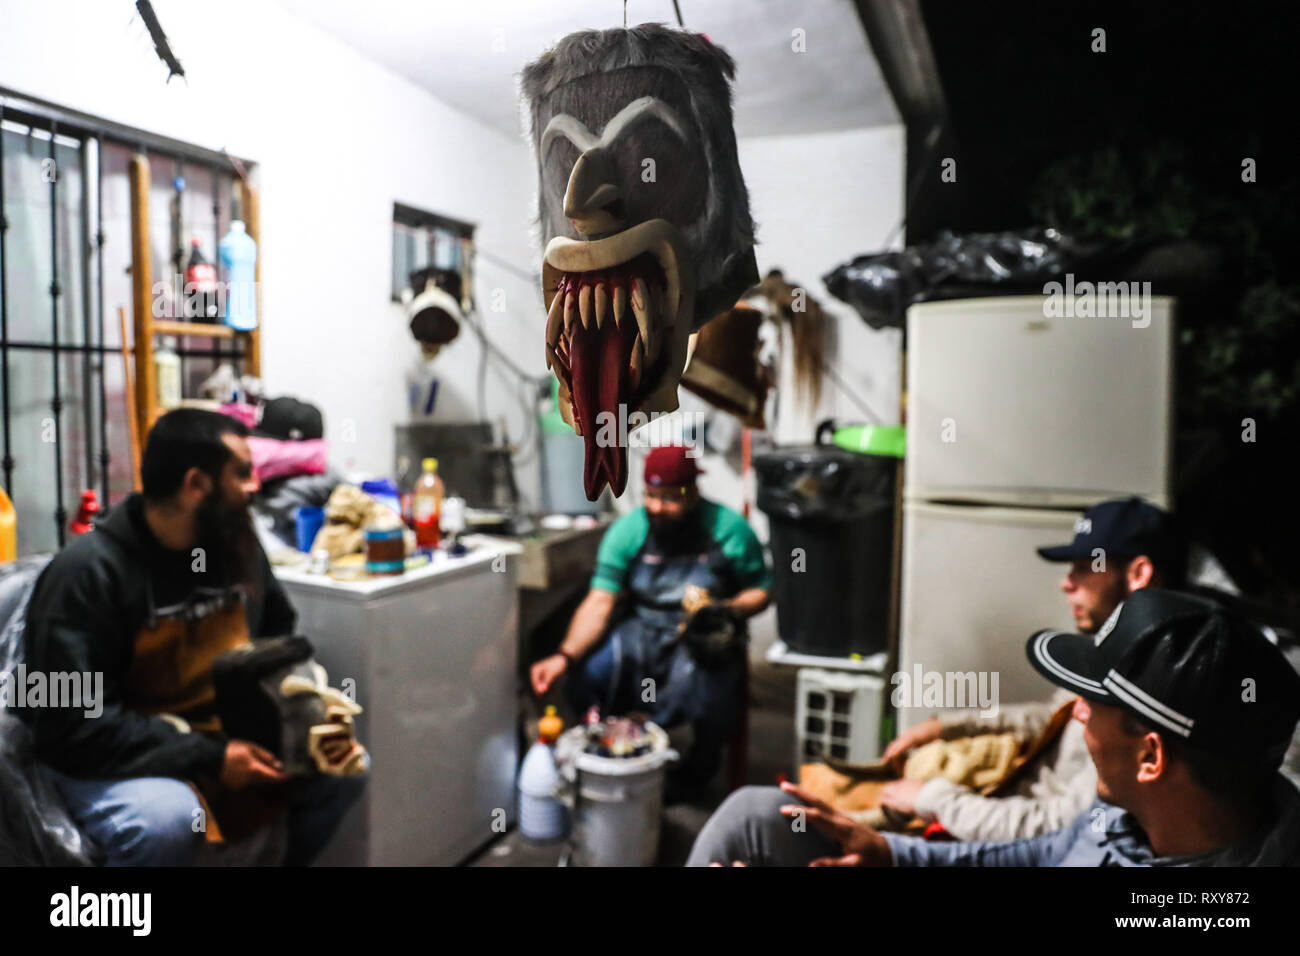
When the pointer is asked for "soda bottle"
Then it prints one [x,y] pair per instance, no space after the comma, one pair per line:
[200,286]
[426,506]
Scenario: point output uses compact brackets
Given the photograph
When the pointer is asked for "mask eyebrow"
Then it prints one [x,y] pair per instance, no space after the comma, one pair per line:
[562,124]
[640,109]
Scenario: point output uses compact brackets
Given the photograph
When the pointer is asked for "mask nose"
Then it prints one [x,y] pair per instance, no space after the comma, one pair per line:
[592,201]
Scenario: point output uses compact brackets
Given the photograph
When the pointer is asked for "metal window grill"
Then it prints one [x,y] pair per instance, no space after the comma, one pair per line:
[424,239]
[62,382]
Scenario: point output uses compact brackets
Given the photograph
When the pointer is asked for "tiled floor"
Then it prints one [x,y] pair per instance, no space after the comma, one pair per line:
[771,743]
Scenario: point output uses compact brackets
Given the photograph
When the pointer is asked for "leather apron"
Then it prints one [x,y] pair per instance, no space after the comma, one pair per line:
[645,643]
[171,671]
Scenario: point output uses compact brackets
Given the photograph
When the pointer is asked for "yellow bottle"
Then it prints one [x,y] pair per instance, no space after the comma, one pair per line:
[426,506]
[8,529]
[550,726]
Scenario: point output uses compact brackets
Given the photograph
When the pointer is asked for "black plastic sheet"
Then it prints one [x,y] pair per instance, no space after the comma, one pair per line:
[35,829]
[823,483]
[882,285]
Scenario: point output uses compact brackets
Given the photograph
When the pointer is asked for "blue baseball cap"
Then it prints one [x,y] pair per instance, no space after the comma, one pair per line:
[1125,527]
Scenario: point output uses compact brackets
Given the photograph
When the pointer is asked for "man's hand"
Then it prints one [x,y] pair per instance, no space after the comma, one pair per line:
[861,845]
[248,765]
[546,672]
[901,795]
[748,603]
[896,753]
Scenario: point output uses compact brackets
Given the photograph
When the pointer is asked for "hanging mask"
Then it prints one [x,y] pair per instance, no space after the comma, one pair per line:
[435,310]
[644,220]
[273,693]
[725,369]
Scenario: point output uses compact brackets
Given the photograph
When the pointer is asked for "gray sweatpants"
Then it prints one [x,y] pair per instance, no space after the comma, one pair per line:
[749,828]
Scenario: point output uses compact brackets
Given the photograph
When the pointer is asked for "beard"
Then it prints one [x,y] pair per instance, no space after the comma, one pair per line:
[1115,595]
[226,533]
[676,534]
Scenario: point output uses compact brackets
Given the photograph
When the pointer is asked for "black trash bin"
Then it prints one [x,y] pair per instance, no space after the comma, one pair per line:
[831,514]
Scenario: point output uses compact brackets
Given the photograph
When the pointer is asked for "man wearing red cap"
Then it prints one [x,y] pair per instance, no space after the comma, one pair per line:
[676,579]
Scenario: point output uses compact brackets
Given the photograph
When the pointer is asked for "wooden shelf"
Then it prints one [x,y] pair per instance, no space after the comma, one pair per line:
[145,326]
[204,329]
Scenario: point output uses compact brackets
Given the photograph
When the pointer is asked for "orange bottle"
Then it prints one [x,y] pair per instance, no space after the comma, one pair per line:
[426,506]
[8,529]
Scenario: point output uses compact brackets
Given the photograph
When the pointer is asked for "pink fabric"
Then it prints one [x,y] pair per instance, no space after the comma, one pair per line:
[241,410]
[273,458]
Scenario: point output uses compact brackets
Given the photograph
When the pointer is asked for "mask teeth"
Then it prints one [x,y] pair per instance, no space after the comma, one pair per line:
[621,294]
[605,347]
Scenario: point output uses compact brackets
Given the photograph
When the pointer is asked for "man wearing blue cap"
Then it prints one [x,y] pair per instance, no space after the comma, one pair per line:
[1118,547]
[1187,710]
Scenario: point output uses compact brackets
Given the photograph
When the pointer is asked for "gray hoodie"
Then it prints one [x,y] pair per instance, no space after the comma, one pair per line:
[1105,835]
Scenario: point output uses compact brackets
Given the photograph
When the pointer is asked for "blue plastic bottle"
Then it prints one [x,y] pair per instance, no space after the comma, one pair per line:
[238,254]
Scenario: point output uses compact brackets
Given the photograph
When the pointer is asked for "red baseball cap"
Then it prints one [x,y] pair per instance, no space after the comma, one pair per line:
[671,465]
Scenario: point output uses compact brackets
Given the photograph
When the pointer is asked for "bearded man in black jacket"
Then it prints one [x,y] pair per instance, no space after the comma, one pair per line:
[170,580]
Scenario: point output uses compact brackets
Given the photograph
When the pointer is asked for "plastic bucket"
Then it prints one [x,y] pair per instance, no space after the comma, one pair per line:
[617,801]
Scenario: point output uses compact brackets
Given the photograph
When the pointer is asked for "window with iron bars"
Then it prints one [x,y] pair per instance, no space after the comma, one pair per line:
[65,259]
[424,240]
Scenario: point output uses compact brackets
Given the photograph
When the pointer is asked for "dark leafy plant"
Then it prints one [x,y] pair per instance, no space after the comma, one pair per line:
[1244,359]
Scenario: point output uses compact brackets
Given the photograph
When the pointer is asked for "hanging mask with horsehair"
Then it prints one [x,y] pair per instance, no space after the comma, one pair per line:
[644,221]
[274,694]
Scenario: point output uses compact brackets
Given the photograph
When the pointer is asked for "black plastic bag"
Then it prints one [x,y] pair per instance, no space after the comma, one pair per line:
[823,483]
[35,828]
[881,286]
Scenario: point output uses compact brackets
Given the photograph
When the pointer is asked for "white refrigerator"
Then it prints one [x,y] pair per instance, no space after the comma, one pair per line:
[1017,419]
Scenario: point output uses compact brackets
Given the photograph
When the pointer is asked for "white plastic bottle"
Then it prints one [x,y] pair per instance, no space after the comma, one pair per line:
[543,818]
[167,366]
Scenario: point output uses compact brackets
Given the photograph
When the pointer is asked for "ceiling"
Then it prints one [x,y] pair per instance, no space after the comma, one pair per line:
[469,53]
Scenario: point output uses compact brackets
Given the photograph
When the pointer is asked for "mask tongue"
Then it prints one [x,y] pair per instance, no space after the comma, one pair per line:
[599,364]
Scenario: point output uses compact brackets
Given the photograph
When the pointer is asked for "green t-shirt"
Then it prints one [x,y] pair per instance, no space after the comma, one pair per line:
[734,536]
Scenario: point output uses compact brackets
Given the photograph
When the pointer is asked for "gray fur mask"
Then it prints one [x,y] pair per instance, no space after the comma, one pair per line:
[644,220]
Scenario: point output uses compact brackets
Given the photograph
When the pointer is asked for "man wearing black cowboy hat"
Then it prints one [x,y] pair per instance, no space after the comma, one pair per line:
[1187,708]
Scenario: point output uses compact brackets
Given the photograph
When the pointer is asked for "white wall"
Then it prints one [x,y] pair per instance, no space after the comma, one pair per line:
[337,139]
[819,200]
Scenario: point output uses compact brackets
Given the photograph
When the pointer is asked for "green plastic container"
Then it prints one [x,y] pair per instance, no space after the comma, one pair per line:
[889,441]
